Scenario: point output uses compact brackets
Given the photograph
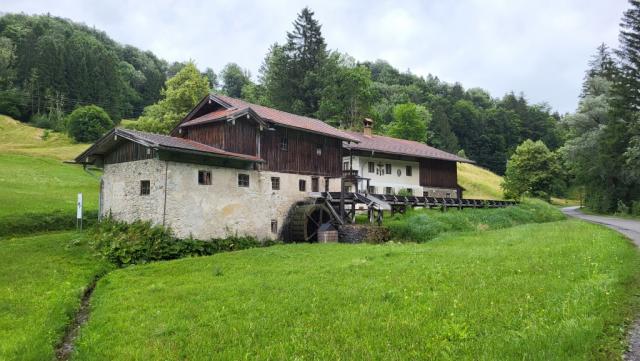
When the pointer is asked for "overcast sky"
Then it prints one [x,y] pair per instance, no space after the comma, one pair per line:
[537,47]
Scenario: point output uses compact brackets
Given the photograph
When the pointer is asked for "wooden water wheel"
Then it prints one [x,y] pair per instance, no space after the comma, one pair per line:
[305,221]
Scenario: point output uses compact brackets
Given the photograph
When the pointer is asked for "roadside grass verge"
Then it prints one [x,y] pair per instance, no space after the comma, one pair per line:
[43,278]
[559,290]
[39,194]
[422,225]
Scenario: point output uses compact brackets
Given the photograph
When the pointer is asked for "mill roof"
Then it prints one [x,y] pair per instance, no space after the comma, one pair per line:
[395,146]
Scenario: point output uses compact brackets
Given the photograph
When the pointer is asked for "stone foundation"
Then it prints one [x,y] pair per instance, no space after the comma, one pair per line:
[440,192]
[202,211]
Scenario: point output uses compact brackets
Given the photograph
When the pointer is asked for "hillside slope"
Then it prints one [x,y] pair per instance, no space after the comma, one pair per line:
[479,183]
[37,190]
[19,138]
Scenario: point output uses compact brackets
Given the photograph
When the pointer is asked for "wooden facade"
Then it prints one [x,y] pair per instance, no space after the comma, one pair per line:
[438,173]
[239,136]
[128,151]
[305,153]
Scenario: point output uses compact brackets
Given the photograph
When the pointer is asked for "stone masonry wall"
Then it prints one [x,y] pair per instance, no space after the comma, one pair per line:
[202,211]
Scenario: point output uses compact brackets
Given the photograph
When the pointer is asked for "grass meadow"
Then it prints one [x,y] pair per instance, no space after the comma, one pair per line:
[42,279]
[479,183]
[553,291]
[37,190]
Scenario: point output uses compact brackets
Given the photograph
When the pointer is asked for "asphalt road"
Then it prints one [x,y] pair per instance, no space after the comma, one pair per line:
[631,229]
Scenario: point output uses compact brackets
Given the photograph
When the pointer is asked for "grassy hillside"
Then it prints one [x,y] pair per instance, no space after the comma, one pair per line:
[37,190]
[554,291]
[19,138]
[42,280]
[479,183]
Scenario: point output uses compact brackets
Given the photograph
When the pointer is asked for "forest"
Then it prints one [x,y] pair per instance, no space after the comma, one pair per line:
[51,66]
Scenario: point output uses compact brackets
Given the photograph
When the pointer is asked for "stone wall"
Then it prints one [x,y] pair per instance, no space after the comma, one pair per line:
[203,211]
[440,192]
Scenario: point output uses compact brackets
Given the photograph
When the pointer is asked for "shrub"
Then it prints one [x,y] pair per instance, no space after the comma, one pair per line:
[141,242]
[421,225]
[88,123]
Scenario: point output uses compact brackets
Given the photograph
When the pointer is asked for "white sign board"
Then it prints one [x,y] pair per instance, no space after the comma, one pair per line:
[79,212]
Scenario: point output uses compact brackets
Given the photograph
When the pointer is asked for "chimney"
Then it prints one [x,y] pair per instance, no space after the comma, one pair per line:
[368,127]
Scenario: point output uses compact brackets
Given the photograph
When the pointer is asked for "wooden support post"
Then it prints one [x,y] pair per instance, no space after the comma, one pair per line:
[342,198]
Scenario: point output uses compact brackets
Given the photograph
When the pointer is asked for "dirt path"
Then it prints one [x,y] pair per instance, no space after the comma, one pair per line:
[631,229]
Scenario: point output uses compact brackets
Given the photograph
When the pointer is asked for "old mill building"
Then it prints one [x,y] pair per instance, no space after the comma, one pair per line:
[232,167]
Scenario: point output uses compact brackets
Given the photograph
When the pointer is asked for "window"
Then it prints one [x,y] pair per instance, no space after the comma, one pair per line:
[275,183]
[302,185]
[145,187]
[315,184]
[345,166]
[319,150]
[274,226]
[387,168]
[204,177]
[243,180]
[372,167]
[448,195]
[346,189]
[388,190]
[326,184]
[371,189]
[409,171]
[284,143]
[410,191]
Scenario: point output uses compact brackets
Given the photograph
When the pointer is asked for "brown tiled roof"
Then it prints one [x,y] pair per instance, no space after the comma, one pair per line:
[209,117]
[286,119]
[165,141]
[388,145]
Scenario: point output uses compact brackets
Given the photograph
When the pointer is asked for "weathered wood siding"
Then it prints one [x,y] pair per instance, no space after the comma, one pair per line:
[128,151]
[238,138]
[438,173]
[301,155]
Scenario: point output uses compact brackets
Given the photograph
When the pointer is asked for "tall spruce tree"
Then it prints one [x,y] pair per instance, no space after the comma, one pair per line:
[292,73]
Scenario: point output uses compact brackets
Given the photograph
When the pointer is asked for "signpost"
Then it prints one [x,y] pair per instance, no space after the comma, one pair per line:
[79,212]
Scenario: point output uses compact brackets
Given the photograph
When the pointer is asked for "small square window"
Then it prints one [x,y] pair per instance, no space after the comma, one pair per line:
[372,167]
[448,195]
[243,180]
[275,183]
[371,190]
[326,184]
[410,191]
[274,226]
[302,185]
[204,177]
[145,188]
[388,190]
[284,143]
[345,166]
[409,171]
[387,168]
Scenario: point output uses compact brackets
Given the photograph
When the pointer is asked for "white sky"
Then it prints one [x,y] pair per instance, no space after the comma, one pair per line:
[538,47]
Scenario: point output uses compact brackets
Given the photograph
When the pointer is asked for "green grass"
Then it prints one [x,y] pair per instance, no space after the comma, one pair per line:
[40,194]
[19,138]
[37,191]
[479,183]
[554,291]
[41,281]
[422,225]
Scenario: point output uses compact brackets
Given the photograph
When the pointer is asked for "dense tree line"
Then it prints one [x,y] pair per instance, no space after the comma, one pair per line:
[603,147]
[304,77]
[50,65]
